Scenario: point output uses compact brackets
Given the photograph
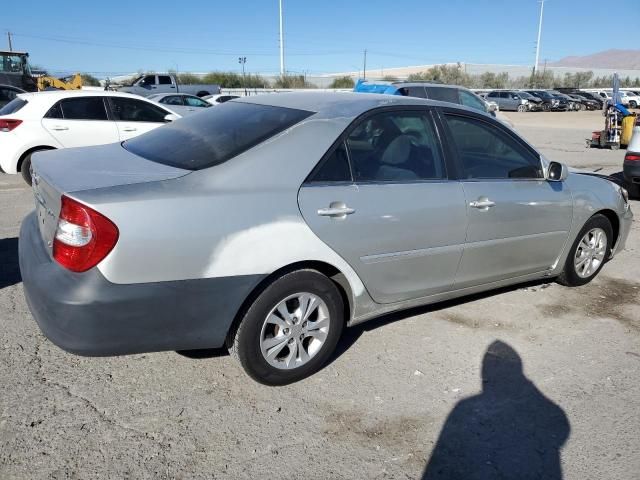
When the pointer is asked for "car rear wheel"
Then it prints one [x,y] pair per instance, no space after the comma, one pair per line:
[588,253]
[522,108]
[633,104]
[25,168]
[291,328]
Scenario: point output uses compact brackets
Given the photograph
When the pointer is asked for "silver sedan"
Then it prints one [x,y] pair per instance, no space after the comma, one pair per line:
[182,103]
[269,223]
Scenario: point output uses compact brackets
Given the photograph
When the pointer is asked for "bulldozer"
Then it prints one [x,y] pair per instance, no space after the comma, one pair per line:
[16,71]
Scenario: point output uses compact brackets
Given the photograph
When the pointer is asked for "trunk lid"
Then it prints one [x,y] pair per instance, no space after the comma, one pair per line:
[60,172]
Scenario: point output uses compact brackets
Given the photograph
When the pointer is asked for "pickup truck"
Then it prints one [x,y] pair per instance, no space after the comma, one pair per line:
[150,84]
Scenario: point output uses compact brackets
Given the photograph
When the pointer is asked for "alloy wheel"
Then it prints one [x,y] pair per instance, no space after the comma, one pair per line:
[590,252]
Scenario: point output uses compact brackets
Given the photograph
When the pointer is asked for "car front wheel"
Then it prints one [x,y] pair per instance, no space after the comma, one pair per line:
[291,328]
[589,252]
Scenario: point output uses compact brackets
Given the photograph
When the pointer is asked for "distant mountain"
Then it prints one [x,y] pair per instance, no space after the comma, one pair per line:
[622,59]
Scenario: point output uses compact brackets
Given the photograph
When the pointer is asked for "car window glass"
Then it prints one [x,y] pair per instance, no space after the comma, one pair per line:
[395,147]
[132,110]
[214,136]
[83,108]
[54,112]
[195,102]
[164,80]
[335,168]
[413,92]
[6,95]
[13,106]
[149,80]
[492,94]
[444,94]
[172,100]
[469,100]
[486,152]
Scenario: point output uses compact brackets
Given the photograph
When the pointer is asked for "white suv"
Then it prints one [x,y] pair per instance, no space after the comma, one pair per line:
[77,118]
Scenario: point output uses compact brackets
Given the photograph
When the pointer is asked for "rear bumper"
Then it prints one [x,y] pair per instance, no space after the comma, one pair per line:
[631,173]
[86,314]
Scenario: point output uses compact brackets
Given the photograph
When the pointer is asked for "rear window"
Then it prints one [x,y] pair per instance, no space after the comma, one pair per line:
[13,106]
[215,136]
[443,94]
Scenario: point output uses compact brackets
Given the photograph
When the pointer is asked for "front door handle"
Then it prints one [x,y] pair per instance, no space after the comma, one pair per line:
[129,129]
[336,211]
[482,204]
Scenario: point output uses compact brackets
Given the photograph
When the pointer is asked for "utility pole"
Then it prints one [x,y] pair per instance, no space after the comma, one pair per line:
[281,44]
[10,44]
[535,67]
[364,67]
[242,61]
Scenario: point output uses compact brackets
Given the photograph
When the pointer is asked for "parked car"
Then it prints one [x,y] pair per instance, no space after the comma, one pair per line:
[583,102]
[591,96]
[630,98]
[535,103]
[146,85]
[71,118]
[269,223]
[509,100]
[549,102]
[631,166]
[8,93]
[433,91]
[181,103]
[606,96]
[571,105]
[219,98]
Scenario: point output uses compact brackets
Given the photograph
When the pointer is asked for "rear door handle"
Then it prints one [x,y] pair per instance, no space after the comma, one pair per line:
[59,128]
[129,129]
[339,212]
[482,204]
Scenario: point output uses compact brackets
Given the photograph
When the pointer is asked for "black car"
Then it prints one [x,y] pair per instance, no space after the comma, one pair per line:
[631,166]
[591,96]
[549,102]
[586,103]
[8,93]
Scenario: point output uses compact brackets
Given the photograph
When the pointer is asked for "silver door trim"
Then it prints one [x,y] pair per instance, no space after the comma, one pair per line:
[389,257]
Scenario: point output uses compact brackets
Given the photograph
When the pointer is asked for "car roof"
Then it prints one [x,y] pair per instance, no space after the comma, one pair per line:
[171,94]
[340,104]
[57,94]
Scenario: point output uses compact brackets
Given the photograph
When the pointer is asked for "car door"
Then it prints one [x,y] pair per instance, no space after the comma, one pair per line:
[382,200]
[518,222]
[80,121]
[135,117]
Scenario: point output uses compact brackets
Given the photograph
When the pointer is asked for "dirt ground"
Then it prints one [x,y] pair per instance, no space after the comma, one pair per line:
[539,377]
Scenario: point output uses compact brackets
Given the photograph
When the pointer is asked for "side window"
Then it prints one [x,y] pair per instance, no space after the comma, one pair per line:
[54,112]
[444,94]
[84,108]
[132,110]
[6,95]
[164,80]
[172,100]
[149,80]
[334,169]
[413,92]
[469,100]
[195,102]
[488,153]
[504,95]
[395,147]
[492,94]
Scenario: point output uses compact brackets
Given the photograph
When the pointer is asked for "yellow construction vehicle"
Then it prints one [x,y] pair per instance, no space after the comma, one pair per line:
[73,82]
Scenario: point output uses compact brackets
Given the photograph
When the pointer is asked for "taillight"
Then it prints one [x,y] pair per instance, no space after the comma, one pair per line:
[632,157]
[83,237]
[6,124]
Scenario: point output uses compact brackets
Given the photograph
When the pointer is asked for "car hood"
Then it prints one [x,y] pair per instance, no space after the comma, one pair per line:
[75,169]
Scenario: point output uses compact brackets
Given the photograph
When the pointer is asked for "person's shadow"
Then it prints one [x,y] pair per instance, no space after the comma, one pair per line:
[509,431]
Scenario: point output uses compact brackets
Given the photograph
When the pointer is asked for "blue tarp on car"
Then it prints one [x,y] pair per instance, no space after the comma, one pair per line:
[372,87]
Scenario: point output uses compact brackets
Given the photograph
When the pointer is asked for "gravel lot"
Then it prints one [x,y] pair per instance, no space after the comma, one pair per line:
[377,410]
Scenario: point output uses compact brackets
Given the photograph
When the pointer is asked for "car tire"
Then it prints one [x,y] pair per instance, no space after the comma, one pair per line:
[308,337]
[546,107]
[633,104]
[25,168]
[588,247]
[522,108]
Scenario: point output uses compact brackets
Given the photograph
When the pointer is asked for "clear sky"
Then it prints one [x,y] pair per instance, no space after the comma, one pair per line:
[113,36]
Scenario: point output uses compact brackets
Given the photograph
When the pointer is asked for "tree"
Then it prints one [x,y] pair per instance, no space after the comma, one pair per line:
[89,80]
[449,74]
[342,82]
[390,78]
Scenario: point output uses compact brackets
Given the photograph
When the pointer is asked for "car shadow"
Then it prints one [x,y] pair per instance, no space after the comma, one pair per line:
[351,335]
[510,430]
[9,267]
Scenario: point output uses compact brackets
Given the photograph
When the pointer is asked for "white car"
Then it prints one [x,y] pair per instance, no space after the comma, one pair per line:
[76,118]
[632,100]
[608,94]
[219,98]
[181,103]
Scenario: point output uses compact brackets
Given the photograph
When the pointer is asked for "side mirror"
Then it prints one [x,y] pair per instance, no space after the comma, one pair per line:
[170,117]
[557,172]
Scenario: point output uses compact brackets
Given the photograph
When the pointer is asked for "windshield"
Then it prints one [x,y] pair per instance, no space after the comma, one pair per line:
[14,64]
[212,138]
